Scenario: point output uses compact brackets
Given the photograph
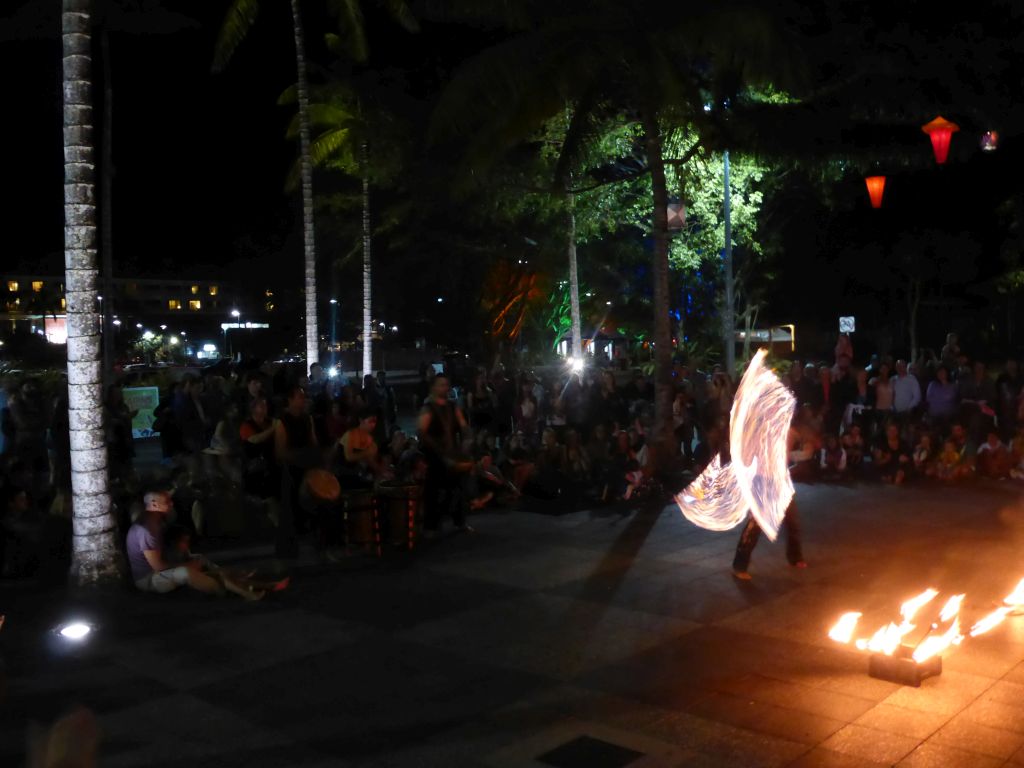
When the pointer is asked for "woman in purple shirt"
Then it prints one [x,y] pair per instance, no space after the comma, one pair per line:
[942,398]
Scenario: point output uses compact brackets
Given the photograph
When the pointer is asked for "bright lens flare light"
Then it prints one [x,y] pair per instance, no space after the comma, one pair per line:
[576,364]
[76,631]
[757,479]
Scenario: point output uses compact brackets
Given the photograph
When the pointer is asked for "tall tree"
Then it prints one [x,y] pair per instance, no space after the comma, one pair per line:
[240,18]
[352,41]
[95,554]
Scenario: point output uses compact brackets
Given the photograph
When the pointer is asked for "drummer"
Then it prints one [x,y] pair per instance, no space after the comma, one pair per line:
[360,462]
[296,451]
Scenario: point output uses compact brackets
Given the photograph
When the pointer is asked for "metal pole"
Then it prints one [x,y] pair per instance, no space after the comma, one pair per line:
[729,312]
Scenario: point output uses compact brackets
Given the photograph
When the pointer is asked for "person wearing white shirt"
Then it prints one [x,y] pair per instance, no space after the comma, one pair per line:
[906,391]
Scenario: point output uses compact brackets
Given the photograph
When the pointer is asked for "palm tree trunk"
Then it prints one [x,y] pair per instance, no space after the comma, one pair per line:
[662,328]
[574,281]
[107,212]
[306,173]
[95,554]
[364,160]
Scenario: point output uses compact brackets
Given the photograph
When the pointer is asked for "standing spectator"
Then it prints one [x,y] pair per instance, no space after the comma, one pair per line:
[993,459]
[942,399]
[906,392]
[1008,387]
[526,413]
[440,425]
[296,451]
[389,405]
[950,353]
[480,402]
[30,415]
[118,427]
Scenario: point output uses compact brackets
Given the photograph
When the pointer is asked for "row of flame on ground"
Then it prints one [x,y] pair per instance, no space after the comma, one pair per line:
[930,637]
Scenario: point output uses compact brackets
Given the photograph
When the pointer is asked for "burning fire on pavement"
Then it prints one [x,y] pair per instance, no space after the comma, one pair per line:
[911,650]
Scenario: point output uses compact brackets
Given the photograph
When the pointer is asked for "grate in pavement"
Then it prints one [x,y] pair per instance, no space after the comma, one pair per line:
[588,752]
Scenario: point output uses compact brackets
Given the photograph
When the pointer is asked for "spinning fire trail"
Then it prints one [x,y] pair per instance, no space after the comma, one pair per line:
[757,478]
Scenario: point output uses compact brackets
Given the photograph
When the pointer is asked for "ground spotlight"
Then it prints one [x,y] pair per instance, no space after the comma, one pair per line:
[75,631]
[576,364]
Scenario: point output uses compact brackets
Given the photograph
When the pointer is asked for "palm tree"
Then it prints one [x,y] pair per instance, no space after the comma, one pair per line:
[237,22]
[95,554]
[240,18]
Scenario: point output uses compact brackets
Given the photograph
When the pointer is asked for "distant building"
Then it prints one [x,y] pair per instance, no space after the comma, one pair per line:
[37,301]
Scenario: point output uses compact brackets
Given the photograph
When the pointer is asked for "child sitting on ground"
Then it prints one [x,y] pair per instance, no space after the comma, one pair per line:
[832,459]
[947,466]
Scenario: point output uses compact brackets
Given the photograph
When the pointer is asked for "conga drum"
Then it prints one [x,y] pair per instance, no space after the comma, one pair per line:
[319,489]
[362,526]
[401,503]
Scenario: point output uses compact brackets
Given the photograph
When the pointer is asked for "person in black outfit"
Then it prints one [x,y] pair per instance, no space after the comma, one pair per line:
[296,451]
[752,534]
[440,424]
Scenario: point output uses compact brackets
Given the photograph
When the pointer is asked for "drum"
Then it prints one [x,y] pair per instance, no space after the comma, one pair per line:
[362,527]
[319,489]
[402,505]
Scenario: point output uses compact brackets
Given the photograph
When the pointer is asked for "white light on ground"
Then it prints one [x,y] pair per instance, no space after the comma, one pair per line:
[76,630]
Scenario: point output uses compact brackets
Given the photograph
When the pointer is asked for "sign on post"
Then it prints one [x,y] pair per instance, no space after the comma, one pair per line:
[144,401]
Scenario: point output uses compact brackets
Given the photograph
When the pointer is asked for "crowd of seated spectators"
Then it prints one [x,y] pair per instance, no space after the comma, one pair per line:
[942,418]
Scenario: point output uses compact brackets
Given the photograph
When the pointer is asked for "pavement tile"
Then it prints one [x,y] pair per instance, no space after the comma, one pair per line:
[826,758]
[790,724]
[995,715]
[946,694]
[730,745]
[963,733]
[869,744]
[803,698]
[215,650]
[932,755]
[905,722]
[180,725]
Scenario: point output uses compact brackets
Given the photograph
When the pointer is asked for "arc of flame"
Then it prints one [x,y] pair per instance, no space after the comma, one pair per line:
[843,630]
[991,621]
[935,644]
[951,608]
[1016,598]
[757,479]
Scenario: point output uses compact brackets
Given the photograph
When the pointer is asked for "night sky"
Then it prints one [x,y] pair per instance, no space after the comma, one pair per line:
[200,159]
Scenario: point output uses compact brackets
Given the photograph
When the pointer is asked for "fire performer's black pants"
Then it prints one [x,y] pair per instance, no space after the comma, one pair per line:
[752,533]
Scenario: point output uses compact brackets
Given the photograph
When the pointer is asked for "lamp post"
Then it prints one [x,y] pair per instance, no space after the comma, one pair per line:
[235,314]
[334,324]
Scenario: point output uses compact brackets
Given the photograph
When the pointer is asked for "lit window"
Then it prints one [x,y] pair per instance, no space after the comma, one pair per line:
[195,304]
[213,290]
[37,286]
[195,290]
[173,304]
[12,286]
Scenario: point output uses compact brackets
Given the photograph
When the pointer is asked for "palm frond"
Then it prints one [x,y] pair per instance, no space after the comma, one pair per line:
[238,20]
[402,14]
[351,28]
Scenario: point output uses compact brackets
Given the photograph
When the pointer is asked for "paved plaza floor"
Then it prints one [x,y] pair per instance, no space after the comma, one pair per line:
[607,638]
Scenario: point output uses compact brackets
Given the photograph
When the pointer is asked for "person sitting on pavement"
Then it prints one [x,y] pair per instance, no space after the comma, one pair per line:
[360,461]
[149,568]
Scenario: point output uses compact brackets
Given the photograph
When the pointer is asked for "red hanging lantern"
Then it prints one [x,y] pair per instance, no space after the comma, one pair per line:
[876,186]
[940,131]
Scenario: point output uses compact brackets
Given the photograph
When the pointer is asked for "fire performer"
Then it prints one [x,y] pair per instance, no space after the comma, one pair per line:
[752,531]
